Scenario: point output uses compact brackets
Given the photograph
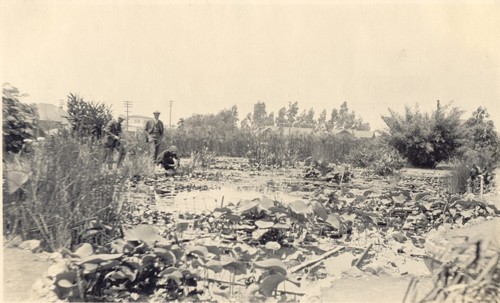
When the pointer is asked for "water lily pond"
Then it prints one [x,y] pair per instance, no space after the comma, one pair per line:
[198,201]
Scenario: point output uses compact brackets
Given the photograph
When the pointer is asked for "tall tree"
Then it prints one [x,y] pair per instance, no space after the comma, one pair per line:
[291,113]
[281,119]
[19,119]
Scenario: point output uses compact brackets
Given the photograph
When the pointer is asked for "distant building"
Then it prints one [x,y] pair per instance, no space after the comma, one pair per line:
[136,123]
[360,134]
[288,131]
[50,117]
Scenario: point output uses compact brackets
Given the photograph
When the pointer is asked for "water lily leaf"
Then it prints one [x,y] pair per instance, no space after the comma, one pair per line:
[65,283]
[420,196]
[399,198]
[263,224]
[467,214]
[99,258]
[15,180]
[257,234]
[144,233]
[272,245]
[266,203]
[56,269]
[121,246]
[197,250]
[246,206]
[319,210]
[466,204]
[282,226]
[70,276]
[244,227]
[131,275]
[84,251]
[172,273]
[116,275]
[269,284]
[274,264]
[214,250]
[214,265]
[165,255]
[107,264]
[89,268]
[334,220]
[235,267]
[232,217]
[147,259]
[299,207]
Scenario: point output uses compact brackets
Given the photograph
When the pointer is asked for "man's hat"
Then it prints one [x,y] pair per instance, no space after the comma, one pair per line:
[156,112]
[122,117]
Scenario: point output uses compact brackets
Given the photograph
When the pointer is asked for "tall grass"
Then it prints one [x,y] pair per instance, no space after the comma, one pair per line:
[68,192]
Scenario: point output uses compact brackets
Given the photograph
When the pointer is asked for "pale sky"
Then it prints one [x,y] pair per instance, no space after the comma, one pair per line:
[206,56]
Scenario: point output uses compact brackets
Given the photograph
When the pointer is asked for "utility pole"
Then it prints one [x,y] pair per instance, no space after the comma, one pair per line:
[170,119]
[128,105]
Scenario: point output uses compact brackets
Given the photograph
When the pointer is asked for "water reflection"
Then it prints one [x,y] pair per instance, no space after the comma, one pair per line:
[207,200]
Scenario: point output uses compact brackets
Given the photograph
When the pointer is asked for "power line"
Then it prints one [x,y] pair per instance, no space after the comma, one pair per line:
[170,118]
[128,105]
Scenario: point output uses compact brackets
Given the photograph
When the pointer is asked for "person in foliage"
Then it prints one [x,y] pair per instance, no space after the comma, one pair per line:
[154,133]
[112,132]
[169,159]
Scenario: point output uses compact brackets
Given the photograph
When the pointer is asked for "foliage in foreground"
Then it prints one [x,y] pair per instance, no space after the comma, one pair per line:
[63,195]
[423,139]
[467,273]
[190,257]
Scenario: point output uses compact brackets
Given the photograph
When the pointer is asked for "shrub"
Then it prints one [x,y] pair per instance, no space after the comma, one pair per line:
[377,156]
[479,154]
[68,197]
[87,119]
[19,120]
[423,139]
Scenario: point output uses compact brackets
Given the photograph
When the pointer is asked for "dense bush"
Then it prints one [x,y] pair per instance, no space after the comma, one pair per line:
[479,154]
[423,139]
[19,120]
[87,119]
[378,156]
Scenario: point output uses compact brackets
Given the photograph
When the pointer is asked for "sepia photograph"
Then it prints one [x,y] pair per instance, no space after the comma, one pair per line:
[250,151]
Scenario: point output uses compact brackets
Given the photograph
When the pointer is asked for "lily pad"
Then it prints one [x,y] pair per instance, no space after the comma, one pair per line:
[274,264]
[99,258]
[84,251]
[319,210]
[266,203]
[144,233]
[270,283]
[334,220]
[271,245]
[300,207]
[264,224]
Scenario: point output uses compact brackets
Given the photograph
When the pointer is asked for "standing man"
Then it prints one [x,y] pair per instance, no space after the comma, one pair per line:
[113,131]
[154,133]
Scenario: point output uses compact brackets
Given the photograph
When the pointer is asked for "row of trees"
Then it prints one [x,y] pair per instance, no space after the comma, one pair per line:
[340,118]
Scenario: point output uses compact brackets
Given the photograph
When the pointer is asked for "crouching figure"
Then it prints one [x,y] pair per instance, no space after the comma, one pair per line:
[169,159]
